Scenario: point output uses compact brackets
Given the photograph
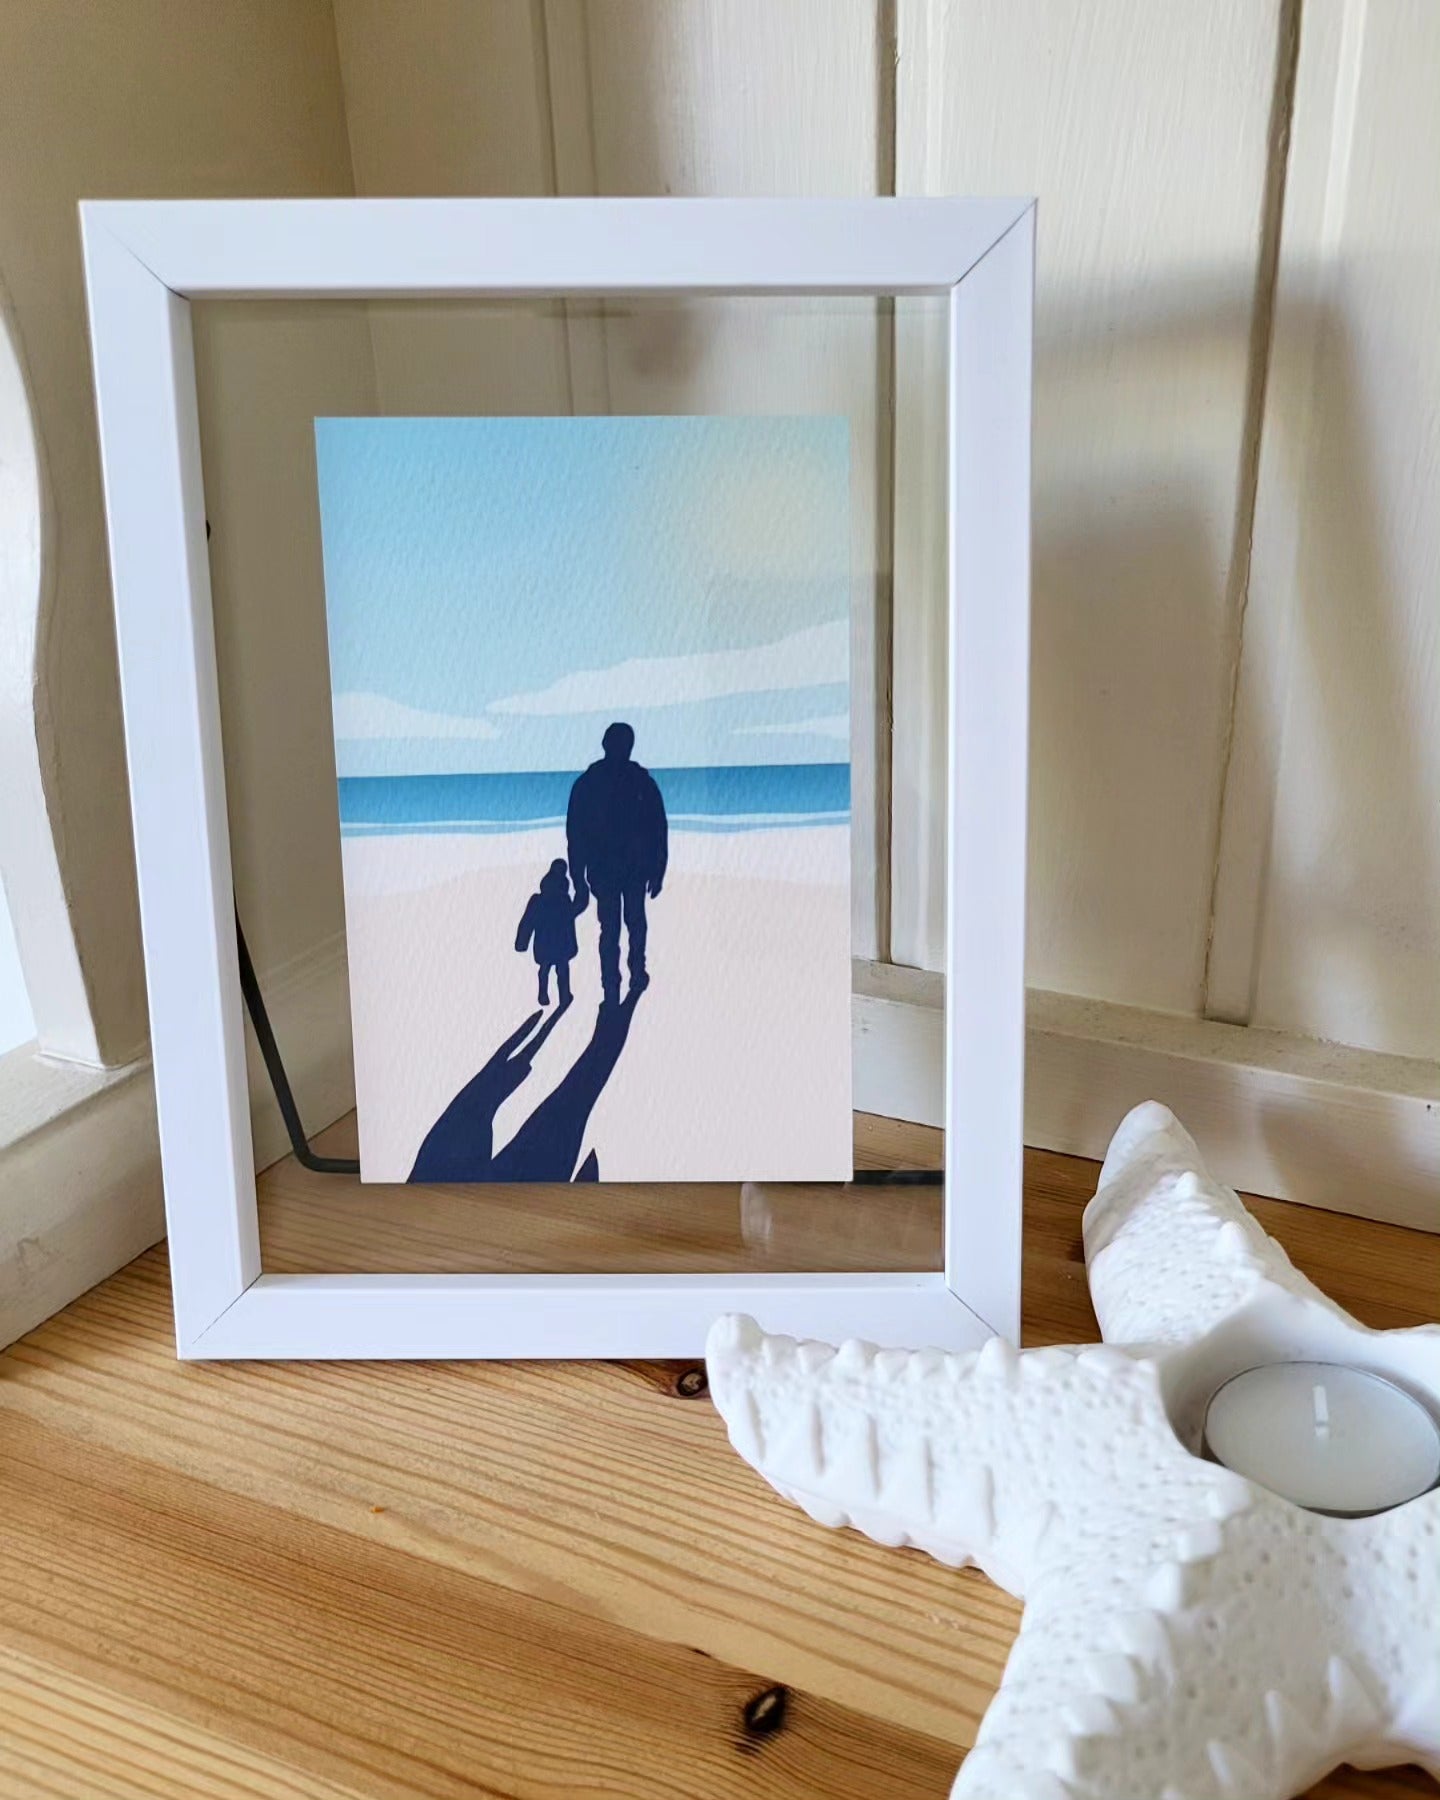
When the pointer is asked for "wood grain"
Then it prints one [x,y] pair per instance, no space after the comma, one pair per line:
[528,1580]
[67,1737]
[382,1673]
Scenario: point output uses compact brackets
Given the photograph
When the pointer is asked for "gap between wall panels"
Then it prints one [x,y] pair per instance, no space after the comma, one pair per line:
[1223,996]
[565,56]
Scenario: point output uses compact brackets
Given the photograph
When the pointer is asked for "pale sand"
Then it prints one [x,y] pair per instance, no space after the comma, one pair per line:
[737,1065]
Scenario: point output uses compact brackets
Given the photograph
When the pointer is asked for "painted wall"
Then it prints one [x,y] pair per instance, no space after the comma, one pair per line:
[17,1017]
[264,372]
[637,99]
[145,97]
[1143,131]
[1327,921]
[1236,787]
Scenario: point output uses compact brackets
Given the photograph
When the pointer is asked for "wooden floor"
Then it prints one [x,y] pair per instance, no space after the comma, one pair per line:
[434,1580]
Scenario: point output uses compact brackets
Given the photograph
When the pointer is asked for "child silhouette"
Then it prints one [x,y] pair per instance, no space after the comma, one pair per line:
[549,922]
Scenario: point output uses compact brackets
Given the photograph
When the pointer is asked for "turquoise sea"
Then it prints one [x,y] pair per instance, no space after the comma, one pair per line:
[748,798]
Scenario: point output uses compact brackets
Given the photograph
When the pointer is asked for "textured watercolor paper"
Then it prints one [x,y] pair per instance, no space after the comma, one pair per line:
[591,686]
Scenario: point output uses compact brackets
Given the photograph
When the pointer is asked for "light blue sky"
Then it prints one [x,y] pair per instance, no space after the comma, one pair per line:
[498,590]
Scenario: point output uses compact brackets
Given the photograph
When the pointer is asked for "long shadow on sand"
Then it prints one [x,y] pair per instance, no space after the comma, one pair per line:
[547,1145]
[459,1146]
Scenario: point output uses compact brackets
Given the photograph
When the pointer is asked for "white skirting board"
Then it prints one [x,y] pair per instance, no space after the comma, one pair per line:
[79,1181]
[80,1156]
[1334,1127]
[1324,1124]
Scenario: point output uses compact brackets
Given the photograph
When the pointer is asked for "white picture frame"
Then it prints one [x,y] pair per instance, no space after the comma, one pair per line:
[144,263]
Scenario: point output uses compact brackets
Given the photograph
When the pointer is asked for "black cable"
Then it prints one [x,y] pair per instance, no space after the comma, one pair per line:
[275,1068]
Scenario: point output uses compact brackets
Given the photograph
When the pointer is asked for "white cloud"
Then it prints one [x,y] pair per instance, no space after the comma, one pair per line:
[817,656]
[376,716]
[833,725]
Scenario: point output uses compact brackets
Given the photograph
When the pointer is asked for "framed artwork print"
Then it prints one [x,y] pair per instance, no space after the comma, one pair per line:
[592,727]
[591,700]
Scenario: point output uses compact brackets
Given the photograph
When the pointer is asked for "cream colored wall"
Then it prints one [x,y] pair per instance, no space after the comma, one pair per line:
[1144,132]
[48,965]
[1328,919]
[634,97]
[450,98]
[1235,738]
[264,373]
[145,97]
[1154,137]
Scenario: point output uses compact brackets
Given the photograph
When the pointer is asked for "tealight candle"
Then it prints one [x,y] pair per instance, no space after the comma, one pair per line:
[1331,1438]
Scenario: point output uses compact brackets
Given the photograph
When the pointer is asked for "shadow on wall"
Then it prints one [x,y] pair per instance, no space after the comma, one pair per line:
[1128,693]
[1372,831]
[1372,823]
[1132,635]
[1135,449]
[1136,622]
[1123,656]
[52,998]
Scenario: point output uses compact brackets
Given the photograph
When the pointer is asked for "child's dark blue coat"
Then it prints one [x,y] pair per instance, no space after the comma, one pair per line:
[549,919]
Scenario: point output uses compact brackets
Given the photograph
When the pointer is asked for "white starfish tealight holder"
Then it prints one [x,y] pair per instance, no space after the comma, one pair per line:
[1188,1634]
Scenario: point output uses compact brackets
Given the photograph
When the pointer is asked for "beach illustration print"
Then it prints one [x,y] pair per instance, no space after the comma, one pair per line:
[591,704]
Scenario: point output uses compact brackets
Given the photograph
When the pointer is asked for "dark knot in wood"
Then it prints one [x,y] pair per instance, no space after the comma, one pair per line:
[764,1712]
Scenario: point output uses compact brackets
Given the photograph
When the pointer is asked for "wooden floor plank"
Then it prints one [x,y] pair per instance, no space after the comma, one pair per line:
[382,1673]
[573,1482]
[65,1738]
[404,1579]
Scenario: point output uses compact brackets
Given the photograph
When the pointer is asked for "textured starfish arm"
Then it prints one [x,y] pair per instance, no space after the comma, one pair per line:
[1188,1635]
[1083,1708]
[1172,1252]
[1177,1266]
[964,1456]
[1117,1689]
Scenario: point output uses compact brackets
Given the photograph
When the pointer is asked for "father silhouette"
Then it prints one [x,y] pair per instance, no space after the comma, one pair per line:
[618,840]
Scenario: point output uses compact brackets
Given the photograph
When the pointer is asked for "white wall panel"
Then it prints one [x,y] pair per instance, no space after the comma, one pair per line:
[453,98]
[17,1019]
[149,98]
[743,97]
[263,373]
[1328,917]
[1143,129]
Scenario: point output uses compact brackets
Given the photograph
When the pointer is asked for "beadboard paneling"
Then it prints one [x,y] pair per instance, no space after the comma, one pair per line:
[1328,910]
[743,97]
[636,97]
[452,98]
[1144,132]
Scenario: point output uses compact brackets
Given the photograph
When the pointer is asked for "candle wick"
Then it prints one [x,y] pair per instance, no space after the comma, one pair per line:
[1322,1408]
